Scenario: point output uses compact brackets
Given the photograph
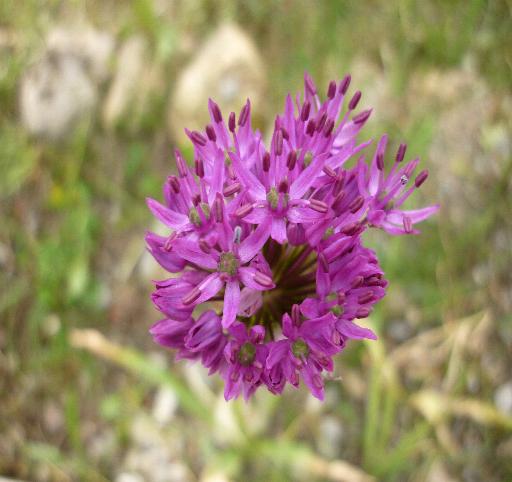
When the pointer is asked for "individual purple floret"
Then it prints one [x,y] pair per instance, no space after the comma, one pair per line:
[269,270]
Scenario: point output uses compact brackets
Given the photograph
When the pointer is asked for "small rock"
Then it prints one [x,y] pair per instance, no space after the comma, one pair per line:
[503,398]
[330,436]
[55,94]
[93,47]
[129,477]
[227,68]
[61,87]
[439,473]
[164,406]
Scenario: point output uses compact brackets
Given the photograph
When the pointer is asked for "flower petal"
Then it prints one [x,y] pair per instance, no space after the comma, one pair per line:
[231,303]
[190,251]
[211,285]
[308,176]
[251,245]
[167,216]
[278,232]
[351,330]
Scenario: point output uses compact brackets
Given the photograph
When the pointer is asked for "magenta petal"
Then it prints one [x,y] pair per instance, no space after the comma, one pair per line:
[190,251]
[356,332]
[247,177]
[231,303]
[251,245]
[247,278]
[323,283]
[416,215]
[313,380]
[257,216]
[308,176]
[250,302]
[167,216]
[303,215]
[309,308]
[211,285]
[278,232]
[278,350]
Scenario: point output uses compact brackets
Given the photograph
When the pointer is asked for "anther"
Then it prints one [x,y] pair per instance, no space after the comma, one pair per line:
[180,164]
[338,187]
[329,171]
[174,183]
[362,117]
[321,122]
[356,204]
[204,246]
[286,136]
[304,112]
[421,178]
[278,146]
[365,298]
[199,168]
[291,160]
[218,208]
[400,154]
[355,100]
[331,90]
[362,312]
[192,296]
[232,122]
[357,282]
[329,126]
[350,229]
[210,132]
[296,314]
[344,84]
[266,162]
[380,161]
[217,115]
[198,138]
[168,241]
[283,186]
[244,114]
[233,188]
[243,211]
[263,279]
[318,206]
[309,85]
[310,128]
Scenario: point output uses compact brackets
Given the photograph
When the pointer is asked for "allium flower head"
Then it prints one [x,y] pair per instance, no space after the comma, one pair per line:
[269,268]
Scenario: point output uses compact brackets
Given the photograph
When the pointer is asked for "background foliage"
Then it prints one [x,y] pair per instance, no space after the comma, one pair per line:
[85,395]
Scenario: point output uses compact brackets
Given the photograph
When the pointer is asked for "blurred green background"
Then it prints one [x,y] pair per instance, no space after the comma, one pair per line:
[94,96]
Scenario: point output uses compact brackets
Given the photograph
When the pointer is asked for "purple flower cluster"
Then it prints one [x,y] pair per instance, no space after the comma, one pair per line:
[265,243]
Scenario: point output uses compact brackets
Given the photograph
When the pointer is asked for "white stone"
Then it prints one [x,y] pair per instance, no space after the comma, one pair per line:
[55,94]
[228,68]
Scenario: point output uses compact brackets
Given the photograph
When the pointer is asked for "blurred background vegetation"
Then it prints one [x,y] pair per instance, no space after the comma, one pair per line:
[94,96]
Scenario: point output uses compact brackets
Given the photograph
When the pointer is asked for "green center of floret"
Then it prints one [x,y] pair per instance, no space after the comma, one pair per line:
[194,217]
[206,210]
[308,158]
[246,354]
[337,310]
[228,264]
[273,197]
[300,349]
